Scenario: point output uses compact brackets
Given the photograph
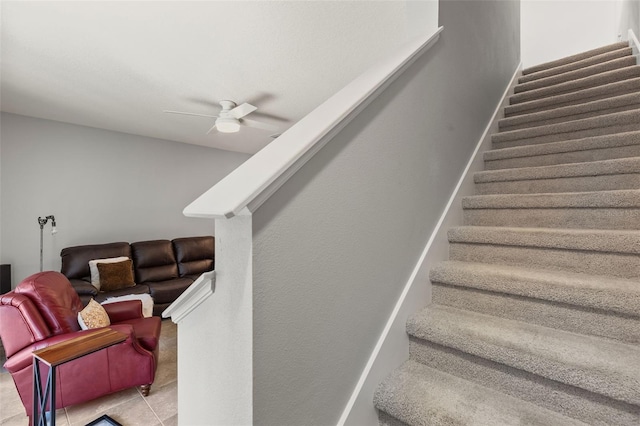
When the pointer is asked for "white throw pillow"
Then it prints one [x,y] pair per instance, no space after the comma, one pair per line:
[93,267]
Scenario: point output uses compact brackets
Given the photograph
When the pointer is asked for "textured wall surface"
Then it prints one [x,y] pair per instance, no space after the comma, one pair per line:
[102,186]
[335,245]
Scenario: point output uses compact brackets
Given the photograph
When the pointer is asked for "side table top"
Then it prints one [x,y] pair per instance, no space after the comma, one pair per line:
[71,349]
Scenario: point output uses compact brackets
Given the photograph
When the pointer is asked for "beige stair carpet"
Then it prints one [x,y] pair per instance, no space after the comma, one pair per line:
[535,317]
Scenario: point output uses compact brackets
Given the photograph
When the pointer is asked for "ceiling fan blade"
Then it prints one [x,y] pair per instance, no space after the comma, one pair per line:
[242,110]
[258,125]
[211,129]
[190,113]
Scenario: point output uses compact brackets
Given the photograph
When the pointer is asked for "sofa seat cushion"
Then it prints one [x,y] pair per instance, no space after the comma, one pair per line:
[168,291]
[136,289]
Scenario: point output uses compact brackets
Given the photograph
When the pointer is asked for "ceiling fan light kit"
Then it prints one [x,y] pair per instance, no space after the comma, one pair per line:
[231,118]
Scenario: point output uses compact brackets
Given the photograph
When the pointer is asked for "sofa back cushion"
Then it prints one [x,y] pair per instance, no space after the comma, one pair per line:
[154,261]
[194,255]
[53,296]
[75,260]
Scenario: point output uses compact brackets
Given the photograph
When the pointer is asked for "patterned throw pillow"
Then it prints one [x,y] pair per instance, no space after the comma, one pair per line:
[114,276]
[93,316]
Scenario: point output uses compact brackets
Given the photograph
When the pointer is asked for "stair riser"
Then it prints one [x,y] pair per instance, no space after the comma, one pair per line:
[506,128]
[570,184]
[565,158]
[575,99]
[588,262]
[534,311]
[576,65]
[576,74]
[574,58]
[568,400]
[585,218]
[576,85]
[499,143]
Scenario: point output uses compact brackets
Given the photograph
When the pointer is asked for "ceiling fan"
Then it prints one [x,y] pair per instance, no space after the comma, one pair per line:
[231,117]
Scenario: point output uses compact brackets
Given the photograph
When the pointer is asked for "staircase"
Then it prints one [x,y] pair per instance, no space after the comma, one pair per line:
[535,317]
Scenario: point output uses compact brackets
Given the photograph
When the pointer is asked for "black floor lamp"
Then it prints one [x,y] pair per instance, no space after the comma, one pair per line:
[42,222]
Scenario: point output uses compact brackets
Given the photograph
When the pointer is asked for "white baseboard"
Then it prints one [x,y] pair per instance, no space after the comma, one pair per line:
[392,348]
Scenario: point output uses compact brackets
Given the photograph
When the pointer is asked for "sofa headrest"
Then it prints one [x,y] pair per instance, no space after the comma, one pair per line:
[75,260]
[57,301]
[194,255]
[20,323]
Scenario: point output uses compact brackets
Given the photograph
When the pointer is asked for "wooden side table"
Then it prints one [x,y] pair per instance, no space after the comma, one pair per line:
[58,354]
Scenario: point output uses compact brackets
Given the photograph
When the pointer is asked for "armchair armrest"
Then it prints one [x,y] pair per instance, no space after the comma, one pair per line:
[123,311]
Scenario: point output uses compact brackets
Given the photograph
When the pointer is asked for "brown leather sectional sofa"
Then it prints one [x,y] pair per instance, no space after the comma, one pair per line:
[162,268]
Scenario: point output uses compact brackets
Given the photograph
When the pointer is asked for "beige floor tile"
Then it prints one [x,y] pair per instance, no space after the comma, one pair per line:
[134,412]
[164,401]
[171,421]
[100,406]
[10,404]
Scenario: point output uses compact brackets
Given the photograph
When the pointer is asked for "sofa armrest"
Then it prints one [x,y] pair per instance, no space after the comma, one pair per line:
[83,288]
[123,311]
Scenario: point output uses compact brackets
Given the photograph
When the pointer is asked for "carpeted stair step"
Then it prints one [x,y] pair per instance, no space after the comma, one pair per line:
[619,122]
[418,395]
[588,304]
[573,112]
[609,90]
[601,366]
[593,60]
[600,252]
[575,85]
[619,209]
[596,148]
[614,64]
[575,58]
[566,399]
[605,175]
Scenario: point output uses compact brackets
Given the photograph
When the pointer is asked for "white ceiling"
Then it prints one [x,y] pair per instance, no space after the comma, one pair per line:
[116,65]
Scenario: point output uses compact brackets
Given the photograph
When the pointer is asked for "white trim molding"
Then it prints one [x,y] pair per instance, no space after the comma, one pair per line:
[634,45]
[260,176]
[192,297]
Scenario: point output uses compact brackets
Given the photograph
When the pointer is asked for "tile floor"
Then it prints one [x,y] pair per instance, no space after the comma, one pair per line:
[127,407]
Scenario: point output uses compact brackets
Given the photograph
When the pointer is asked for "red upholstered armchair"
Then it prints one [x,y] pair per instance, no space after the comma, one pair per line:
[43,310]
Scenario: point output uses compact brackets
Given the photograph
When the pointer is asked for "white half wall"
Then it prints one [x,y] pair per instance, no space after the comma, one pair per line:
[102,186]
[334,247]
[551,30]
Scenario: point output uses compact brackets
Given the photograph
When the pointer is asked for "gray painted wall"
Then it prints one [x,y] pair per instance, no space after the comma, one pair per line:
[335,245]
[102,186]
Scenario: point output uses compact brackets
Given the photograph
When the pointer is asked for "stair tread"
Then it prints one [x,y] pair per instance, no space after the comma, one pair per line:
[628,165]
[622,198]
[567,127]
[604,240]
[603,91]
[568,111]
[418,395]
[578,84]
[575,58]
[614,294]
[576,74]
[583,144]
[591,363]
[603,57]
